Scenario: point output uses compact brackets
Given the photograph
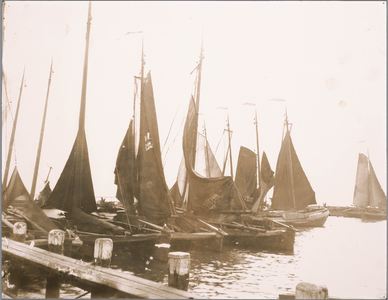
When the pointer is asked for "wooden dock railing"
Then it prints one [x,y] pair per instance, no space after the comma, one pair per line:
[90,277]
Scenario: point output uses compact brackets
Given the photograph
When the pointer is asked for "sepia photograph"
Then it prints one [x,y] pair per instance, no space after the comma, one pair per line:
[194,149]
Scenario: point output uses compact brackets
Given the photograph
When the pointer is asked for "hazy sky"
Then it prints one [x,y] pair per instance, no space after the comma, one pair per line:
[326,59]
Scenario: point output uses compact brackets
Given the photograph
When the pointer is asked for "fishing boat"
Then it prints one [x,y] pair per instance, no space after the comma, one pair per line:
[73,193]
[139,175]
[254,179]
[369,198]
[293,200]
[215,198]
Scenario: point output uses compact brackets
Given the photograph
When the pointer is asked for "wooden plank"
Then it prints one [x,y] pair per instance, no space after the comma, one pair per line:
[90,275]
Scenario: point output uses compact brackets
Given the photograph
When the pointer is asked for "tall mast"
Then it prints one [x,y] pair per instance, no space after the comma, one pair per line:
[290,160]
[198,92]
[258,152]
[33,186]
[85,72]
[79,162]
[5,179]
[230,148]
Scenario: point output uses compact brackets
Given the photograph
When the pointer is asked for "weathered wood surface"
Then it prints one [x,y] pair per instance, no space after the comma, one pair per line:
[88,276]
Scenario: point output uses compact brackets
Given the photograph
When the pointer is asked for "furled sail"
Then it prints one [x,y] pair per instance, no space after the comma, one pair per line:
[125,178]
[74,188]
[246,176]
[154,202]
[361,189]
[17,196]
[292,190]
[206,194]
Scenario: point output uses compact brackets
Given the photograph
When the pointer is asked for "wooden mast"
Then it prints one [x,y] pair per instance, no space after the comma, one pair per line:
[79,165]
[6,171]
[197,98]
[290,160]
[258,152]
[230,148]
[33,186]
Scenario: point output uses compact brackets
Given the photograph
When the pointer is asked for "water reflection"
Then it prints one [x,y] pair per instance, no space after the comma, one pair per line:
[347,255]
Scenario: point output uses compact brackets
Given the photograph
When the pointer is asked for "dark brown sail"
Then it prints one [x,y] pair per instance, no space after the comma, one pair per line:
[292,190]
[152,189]
[124,172]
[74,188]
[206,194]
[246,176]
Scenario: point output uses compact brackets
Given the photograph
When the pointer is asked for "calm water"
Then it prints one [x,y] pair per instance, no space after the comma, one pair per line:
[347,255]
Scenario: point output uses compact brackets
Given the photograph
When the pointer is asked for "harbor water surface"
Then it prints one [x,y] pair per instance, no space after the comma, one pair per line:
[347,255]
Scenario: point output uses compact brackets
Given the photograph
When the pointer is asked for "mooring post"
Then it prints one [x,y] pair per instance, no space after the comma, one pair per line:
[103,249]
[20,231]
[161,251]
[56,241]
[178,270]
[305,290]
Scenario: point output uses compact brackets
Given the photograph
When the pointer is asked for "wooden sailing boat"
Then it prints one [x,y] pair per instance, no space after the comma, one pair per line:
[17,204]
[74,193]
[253,179]
[293,197]
[216,199]
[368,194]
[139,174]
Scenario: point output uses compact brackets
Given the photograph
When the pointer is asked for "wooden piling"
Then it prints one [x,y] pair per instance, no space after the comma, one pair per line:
[161,251]
[56,241]
[178,270]
[20,231]
[103,249]
[305,290]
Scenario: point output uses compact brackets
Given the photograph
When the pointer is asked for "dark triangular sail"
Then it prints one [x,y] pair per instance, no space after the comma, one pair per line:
[206,194]
[377,195]
[17,196]
[75,187]
[266,181]
[246,176]
[292,190]
[44,194]
[154,202]
[125,172]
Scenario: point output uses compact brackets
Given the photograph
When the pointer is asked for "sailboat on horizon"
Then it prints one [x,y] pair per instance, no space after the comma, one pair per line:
[369,198]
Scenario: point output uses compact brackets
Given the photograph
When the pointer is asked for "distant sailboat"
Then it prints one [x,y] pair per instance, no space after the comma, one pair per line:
[293,196]
[368,194]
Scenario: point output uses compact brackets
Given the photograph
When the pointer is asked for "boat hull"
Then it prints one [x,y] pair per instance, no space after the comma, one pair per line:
[279,240]
[312,218]
[373,216]
[196,241]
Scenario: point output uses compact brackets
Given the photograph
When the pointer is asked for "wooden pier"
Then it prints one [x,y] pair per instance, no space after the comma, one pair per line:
[90,277]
